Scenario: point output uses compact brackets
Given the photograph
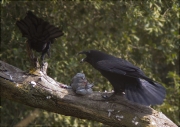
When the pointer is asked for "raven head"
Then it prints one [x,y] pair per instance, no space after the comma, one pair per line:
[87,53]
[93,56]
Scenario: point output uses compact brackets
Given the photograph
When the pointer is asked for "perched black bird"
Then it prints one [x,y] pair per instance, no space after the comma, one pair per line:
[127,78]
[40,34]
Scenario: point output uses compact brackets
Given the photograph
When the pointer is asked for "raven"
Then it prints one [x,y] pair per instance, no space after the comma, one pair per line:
[126,78]
[39,33]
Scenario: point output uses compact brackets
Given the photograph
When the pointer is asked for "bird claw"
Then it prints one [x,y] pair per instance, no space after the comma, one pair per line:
[108,96]
[65,86]
[105,96]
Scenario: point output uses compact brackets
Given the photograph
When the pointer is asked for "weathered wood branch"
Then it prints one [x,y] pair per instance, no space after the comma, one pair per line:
[41,91]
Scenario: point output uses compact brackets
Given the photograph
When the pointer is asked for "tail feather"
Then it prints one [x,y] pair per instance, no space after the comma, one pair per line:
[129,95]
[137,95]
[146,100]
[146,93]
[142,97]
[23,28]
[149,97]
[157,92]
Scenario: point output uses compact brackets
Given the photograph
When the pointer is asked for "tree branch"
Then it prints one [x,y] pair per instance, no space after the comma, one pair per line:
[41,91]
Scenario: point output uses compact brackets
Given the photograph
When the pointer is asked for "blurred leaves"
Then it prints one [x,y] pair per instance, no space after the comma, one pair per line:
[145,33]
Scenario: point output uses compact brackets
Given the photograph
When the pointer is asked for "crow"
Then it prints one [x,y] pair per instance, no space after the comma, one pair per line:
[126,78]
[39,33]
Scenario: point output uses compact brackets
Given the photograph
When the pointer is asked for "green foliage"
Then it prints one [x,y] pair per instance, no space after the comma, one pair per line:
[143,32]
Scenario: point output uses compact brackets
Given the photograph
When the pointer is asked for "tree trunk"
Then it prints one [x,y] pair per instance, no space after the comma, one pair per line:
[41,91]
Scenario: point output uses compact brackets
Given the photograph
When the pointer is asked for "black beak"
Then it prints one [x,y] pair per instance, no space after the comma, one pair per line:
[82,60]
[83,52]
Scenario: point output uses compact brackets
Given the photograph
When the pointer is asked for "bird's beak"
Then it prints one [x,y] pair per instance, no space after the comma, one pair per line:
[84,59]
[83,52]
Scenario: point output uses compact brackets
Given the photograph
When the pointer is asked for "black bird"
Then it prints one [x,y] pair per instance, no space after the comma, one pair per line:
[39,33]
[126,78]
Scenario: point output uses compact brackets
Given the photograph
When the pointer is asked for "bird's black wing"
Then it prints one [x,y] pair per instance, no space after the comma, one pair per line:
[120,66]
[40,34]
[38,31]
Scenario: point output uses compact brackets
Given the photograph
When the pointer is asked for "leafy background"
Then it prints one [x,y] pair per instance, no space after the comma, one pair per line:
[145,33]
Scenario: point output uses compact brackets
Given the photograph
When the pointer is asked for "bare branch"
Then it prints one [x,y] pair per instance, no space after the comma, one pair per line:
[41,91]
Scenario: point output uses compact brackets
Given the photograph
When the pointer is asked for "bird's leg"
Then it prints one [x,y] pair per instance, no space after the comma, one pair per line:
[46,50]
[33,60]
[37,63]
[42,61]
[31,55]
[108,96]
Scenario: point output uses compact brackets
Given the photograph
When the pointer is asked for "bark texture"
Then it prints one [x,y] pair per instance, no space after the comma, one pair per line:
[41,91]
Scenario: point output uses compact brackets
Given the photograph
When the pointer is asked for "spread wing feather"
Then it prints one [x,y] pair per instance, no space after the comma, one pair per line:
[122,67]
